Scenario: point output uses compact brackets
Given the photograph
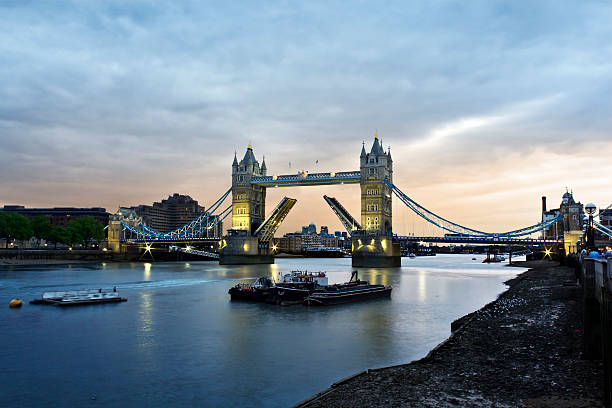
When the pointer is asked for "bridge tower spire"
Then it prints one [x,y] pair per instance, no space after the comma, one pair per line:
[376,210]
[248,201]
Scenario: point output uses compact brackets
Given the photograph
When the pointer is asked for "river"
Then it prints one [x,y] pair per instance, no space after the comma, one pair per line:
[179,340]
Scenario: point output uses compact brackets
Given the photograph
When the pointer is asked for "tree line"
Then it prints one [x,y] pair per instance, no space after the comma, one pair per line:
[14,226]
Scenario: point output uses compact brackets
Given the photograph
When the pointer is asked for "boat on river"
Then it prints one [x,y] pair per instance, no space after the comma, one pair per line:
[259,291]
[292,288]
[79,297]
[297,285]
[354,290]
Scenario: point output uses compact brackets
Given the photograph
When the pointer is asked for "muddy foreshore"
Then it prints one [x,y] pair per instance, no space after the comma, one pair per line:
[522,350]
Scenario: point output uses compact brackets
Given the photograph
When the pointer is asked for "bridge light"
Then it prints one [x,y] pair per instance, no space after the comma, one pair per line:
[187,248]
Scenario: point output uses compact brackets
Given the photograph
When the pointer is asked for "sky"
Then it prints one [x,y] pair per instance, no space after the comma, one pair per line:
[486,105]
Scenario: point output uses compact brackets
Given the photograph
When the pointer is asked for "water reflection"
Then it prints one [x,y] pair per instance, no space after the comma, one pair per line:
[147,271]
[146,313]
[422,285]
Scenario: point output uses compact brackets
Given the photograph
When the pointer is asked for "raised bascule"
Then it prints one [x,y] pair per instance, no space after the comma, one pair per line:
[250,240]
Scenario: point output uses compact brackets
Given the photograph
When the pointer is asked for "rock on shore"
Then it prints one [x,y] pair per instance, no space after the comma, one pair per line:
[522,350]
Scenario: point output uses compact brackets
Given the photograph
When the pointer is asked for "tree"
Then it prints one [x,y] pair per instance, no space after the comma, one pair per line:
[59,234]
[85,229]
[14,226]
[41,228]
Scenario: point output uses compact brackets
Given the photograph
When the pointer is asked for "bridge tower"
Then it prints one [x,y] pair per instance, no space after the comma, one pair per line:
[248,213]
[374,247]
[376,211]
[248,201]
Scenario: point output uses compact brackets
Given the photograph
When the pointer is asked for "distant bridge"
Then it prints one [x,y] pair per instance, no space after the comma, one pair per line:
[480,240]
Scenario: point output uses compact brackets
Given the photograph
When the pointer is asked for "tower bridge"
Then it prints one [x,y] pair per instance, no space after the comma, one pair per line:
[250,238]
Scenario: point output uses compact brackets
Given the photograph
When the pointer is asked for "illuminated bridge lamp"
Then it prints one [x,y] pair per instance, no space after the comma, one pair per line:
[547,253]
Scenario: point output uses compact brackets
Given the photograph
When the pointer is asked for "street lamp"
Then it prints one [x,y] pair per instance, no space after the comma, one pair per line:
[590,210]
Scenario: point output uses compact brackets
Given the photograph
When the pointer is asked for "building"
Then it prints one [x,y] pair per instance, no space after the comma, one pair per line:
[60,216]
[342,234]
[296,242]
[248,202]
[174,212]
[310,229]
[570,227]
[376,168]
[605,219]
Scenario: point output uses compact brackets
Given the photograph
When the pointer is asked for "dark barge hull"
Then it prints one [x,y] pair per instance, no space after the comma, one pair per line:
[256,295]
[290,296]
[335,298]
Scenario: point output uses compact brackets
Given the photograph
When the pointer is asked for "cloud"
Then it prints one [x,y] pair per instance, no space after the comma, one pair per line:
[123,103]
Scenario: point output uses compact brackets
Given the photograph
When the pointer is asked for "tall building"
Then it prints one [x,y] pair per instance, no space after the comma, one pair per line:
[60,216]
[249,202]
[174,212]
[376,167]
[570,227]
[310,229]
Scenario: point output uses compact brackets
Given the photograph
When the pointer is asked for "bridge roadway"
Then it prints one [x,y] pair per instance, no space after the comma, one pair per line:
[480,240]
[442,240]
[168,240]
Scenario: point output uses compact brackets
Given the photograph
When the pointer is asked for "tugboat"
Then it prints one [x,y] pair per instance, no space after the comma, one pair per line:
[260,291]
[353,291]
[292,289]
[297,285]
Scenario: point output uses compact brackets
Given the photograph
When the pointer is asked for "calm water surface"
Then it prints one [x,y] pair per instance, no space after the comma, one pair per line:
[179,340]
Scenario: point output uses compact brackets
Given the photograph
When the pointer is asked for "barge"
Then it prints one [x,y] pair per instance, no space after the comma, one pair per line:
[352,291]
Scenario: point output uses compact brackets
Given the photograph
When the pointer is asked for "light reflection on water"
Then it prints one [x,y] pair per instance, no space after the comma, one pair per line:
[180,341]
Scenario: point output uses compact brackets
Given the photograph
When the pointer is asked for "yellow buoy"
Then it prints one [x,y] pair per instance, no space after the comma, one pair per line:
[15,303]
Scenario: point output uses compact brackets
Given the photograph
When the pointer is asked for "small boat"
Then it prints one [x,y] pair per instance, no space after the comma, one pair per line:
[352,291]
[79,297]
[494,258]
[259,291]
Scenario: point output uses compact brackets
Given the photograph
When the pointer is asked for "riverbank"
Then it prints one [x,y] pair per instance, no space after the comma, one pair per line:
[522,350]
[52,256]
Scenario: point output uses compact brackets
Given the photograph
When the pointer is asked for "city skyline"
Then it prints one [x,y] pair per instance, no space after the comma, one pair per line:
[486,106]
